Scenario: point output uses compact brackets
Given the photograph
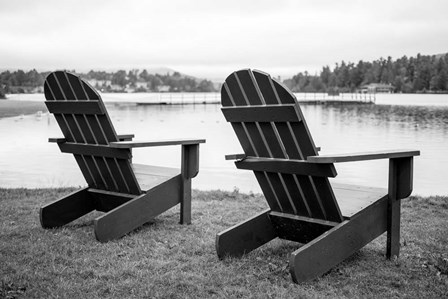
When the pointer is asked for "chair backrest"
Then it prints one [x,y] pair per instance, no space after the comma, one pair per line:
[87,130]
[273,126]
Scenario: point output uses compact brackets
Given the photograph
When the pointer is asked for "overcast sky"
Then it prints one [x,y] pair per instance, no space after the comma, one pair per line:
[211,39]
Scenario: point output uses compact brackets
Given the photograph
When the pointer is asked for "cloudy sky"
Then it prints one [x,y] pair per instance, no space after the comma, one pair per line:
[210,39]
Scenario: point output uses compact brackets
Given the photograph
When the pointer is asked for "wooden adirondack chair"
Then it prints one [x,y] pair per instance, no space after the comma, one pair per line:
[130,194]
[303,206]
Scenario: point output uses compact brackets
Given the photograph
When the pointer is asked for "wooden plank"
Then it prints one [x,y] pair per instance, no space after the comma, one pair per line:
[298,228]
[393,229]
[277,184]
[118,177]
[108,171]
[74,107]
[94,150]
[76,87]
[247,84]
[245,139]
[400,186]
[65,86]
[401,174]
[286,166]
[53,92]
[245,236]
[149,180]
[234,91]
[352,157]
[265,113]
[83,164]
[132,144]
[337,244]
[235,157]
[289,148]
[92,170]
[66,209]
[310,196]
[96,129]
[125,137]
[129,175]
[155,170]
[134,213]
[327,199]
[190,161]
[57,140]
[266,87]
[297,196]
[352,199]
[264,140]
[185,202]
[317,193]
[268,191]
[106,174]
[106,201]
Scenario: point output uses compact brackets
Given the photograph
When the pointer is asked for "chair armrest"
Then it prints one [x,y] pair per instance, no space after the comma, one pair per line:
[57,140]
[132,144]
[352,157]
[235,157]
[125,137]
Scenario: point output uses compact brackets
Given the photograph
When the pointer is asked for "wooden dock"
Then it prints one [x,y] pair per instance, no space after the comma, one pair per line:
[186,98]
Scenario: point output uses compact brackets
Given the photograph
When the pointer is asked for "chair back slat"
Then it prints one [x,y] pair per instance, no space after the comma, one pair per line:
[284,136]
[82,116]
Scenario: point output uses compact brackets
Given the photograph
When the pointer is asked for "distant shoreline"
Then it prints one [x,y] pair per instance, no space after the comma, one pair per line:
[11,108]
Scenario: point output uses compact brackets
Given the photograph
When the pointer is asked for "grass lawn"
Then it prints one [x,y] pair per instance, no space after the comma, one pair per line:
[168,260]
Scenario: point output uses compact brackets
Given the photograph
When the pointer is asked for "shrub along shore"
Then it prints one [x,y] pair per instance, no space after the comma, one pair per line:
[164,259]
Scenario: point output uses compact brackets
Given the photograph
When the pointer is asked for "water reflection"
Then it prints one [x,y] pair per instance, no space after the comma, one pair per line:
[27,160]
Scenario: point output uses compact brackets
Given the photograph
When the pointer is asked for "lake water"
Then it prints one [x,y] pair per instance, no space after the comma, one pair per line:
[28,160]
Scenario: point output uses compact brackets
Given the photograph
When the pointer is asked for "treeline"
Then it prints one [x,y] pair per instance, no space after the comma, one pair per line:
[21,82]
[120,81]
[142,81]
[421,74]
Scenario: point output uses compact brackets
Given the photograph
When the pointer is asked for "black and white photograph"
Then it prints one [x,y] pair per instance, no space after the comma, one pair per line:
[223,149]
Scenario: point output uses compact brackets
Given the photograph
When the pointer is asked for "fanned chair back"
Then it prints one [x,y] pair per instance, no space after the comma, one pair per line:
[83,119]
[269,123]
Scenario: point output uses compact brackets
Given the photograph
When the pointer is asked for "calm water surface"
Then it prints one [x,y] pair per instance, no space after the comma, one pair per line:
[27,160]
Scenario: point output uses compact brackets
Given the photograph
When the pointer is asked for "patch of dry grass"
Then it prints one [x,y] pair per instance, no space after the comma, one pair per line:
[165,259]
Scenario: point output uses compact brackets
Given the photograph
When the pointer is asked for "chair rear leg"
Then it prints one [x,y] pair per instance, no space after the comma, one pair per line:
[332,247]
[246,236]
[136,212]
[66,209]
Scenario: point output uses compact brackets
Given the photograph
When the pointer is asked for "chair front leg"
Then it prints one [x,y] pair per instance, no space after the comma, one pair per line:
[189,169]
[400,186]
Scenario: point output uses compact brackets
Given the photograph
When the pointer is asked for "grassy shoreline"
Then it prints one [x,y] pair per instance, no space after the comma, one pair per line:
[163,259]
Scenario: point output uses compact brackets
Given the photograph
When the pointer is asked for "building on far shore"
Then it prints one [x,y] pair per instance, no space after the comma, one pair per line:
[377,88]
